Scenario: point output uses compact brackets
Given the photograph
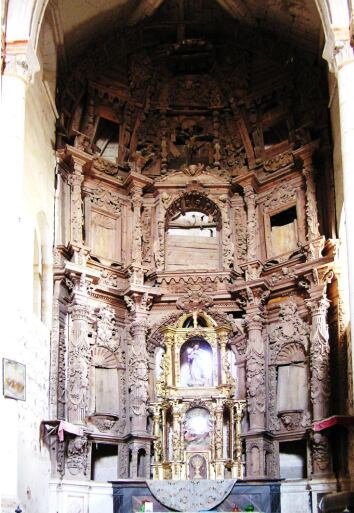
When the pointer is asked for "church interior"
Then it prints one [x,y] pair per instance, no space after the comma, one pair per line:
[178,332]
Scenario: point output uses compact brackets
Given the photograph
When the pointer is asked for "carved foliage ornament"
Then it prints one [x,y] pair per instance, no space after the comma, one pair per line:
[105,199]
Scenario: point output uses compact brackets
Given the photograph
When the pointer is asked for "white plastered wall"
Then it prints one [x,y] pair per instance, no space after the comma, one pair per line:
[27,209]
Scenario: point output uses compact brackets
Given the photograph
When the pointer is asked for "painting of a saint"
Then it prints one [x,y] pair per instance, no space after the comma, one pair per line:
[196,364]
[197,427]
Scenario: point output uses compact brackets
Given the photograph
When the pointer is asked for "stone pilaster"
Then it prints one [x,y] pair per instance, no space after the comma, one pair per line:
[79,353]
[136,199]
[255,369]
[252,223]
[76,214]
[319,354]
[138,376]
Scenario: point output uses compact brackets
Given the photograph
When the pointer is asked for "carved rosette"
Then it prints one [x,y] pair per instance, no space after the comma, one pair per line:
[319,351]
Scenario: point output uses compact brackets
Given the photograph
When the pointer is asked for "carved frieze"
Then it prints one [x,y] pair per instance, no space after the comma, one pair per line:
[280,161]
[282,195]
[105,199]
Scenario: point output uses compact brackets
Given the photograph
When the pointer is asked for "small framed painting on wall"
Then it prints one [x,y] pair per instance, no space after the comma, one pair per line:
[14,379]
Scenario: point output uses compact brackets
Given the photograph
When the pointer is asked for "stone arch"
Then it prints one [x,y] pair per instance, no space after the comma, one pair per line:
[194,201]
[25,20]
[209,321]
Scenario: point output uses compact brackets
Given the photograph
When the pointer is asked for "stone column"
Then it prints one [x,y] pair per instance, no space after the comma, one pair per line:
[343,65]
[20,64]
[138,371]
[319,354]
[79,353]
[252,223]
[255,369]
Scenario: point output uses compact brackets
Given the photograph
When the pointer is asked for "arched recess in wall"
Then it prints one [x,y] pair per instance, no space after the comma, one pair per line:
[104,391]
[47,48]
[292,378]
[193,228]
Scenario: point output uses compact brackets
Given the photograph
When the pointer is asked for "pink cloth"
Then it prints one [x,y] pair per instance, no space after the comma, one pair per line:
[69,428]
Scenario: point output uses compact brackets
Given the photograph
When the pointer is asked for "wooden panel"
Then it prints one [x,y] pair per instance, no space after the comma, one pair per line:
[106,390]
[183,252]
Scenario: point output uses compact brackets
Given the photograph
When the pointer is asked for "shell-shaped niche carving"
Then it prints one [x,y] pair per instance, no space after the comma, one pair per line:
[291,353]
[102,357]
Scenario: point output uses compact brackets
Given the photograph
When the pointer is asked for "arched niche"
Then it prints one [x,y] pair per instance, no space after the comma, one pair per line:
[193,228]
[292,378]
[104,382]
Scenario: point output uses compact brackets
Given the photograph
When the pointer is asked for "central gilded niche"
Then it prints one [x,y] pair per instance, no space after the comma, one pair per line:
[196,418]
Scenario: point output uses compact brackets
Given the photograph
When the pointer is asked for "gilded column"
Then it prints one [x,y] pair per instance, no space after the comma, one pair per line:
[157,473]
[225,376]
[218,441]
[237,469]
[176,441]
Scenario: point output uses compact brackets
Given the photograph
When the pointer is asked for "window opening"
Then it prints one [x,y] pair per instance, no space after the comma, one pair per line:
[106,140]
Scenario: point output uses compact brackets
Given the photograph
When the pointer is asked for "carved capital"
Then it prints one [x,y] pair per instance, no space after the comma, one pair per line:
[21,60]
[343,55]
[136,196]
